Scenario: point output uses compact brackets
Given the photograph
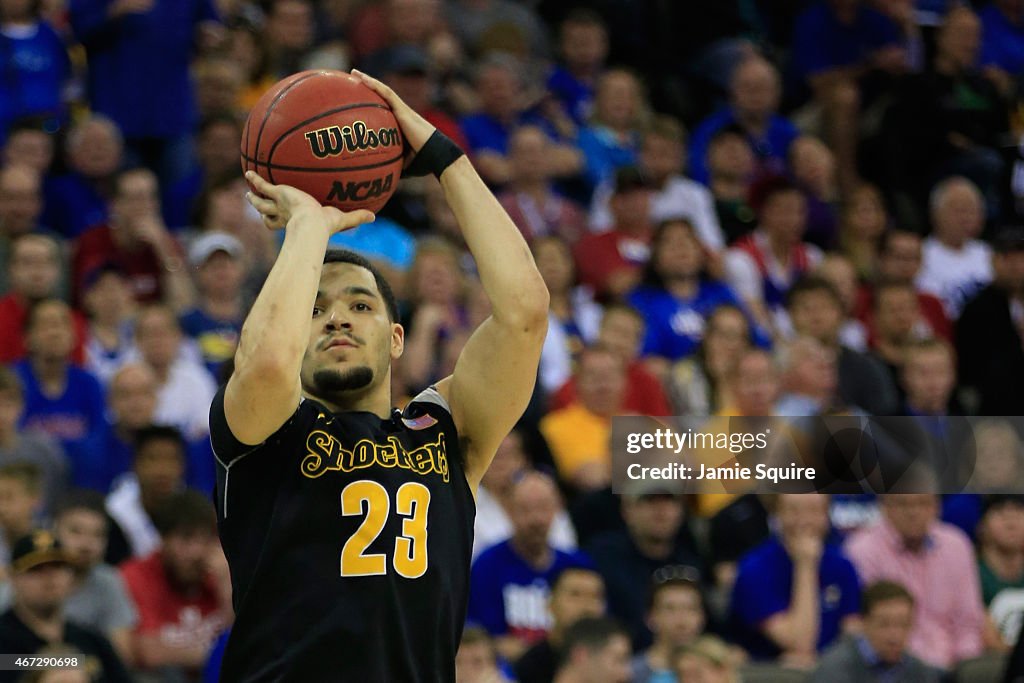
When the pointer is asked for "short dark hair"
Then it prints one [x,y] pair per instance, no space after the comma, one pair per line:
[591,633]
[886,240]
[81,499]
[28,473]
[36,306]
[185,513]
[566,571]
[584,16]
[883,591]
[148,434]
[812,283]
[658,587]
[383,286]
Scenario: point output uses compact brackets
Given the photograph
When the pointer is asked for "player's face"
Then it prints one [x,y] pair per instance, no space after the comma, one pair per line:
[83,533]
[352,341]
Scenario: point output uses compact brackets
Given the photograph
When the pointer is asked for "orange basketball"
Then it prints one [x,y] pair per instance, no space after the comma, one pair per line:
[327,134]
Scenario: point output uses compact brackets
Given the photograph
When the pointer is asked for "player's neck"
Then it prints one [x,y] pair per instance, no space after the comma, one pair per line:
[376,402]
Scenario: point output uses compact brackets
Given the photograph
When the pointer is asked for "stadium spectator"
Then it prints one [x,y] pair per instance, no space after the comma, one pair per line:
[216,323]
[21,204]
[511,581]
[677,293]
[216,139]
[929,377]
[955,264]
[1002,50]
[698,385]
[78,200]
[29,142]
[110,340]
[731,166]
[377,28]
[612,139]
[576,593]
[530,199]
[839,271]
[899,260]
[762,266]
[755,91]
[596,650]
[34,273]
[814,171]
[897,317]
[495,501]
[27,446]
[20,503]
[990,333]
[880,652]
[952,119]
[662,152]
[42,579]
[935,562]
[184,386]
[863,224]
[578,435]
[181,606]
[98,599]
[35,63]
[153,102]
[477,660]
[219,82]
[796,593]
[707,660]
[1001,565]
[573,316]
[131,404]
[483,25]
[610,263]
[815,310]
[676,616]
[61,399]
[583,48]
[655,546]
[158,472]
[1000,457]
[736,528]
[809,378]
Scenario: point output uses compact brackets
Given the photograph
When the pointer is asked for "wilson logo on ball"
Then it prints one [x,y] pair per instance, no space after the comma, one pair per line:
[360,191]
[334,140]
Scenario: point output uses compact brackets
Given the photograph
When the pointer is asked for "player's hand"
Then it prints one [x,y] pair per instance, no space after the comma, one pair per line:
[280,204]
[416,129]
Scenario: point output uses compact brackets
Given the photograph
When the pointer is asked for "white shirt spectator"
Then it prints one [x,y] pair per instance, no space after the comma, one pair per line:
[680,197]
[555,357]
[954,275]
[124,503]
[184,400]
[492,526]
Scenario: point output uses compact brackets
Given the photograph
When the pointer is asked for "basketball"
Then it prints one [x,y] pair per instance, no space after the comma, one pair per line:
[327,134]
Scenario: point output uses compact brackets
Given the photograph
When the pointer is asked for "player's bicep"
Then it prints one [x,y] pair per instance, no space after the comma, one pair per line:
[256,407]
[491,387]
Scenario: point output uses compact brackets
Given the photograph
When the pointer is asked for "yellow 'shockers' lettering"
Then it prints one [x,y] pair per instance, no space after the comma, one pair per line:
[325,454]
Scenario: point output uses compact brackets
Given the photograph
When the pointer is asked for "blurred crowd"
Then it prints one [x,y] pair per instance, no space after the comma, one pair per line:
[740,208]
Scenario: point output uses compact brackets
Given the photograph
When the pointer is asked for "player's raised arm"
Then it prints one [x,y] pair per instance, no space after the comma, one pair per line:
[265,388]
[495,374]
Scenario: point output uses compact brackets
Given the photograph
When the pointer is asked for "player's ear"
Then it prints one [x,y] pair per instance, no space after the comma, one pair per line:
[397,340]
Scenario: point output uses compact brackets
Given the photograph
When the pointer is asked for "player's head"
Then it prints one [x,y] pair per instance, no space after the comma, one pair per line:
[355,332]
[596,649]
[80,524]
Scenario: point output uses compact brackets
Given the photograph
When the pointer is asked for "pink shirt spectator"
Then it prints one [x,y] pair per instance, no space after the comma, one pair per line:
[942,577]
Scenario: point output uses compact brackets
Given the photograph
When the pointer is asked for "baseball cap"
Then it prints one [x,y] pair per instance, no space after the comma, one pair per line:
[37,548]
[1008,240]
[210,243]
[631,178]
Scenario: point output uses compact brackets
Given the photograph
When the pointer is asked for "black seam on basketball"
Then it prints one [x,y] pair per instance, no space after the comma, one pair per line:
[336,110]
[270,108]
[304,169]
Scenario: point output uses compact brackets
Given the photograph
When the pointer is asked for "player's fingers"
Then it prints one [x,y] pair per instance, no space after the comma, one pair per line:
[261,185]
[264,206]
[350,219]
[273,222]
[378,87]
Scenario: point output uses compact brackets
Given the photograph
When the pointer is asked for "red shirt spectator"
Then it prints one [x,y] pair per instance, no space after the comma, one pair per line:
[14,315]
[932,314]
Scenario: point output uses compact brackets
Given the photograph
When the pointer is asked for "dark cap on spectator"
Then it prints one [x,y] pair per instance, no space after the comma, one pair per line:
[37,548]
[1009,239]
[630,178]
[209,244]
[1001,500]
[401,59]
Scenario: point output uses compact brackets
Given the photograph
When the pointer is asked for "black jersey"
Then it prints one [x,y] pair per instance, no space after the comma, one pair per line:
[349,539]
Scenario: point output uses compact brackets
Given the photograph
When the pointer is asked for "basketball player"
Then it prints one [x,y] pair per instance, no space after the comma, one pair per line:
[349,526]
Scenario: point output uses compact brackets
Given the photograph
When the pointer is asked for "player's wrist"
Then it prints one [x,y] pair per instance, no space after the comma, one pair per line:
[438,154]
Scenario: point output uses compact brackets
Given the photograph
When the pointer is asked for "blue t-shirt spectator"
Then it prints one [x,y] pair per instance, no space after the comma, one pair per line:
[34,68]
[771,147]
[509,597]
[382,240]
[139,64]
[822,42]
[675,327]
[484,132]
[764,587]
[604,153]
[75,417]
[1002,43]
[575,96]
[113,456]
[216,339]
[72,205]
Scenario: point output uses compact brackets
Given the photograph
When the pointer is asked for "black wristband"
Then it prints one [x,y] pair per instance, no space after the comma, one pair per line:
[434,157]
